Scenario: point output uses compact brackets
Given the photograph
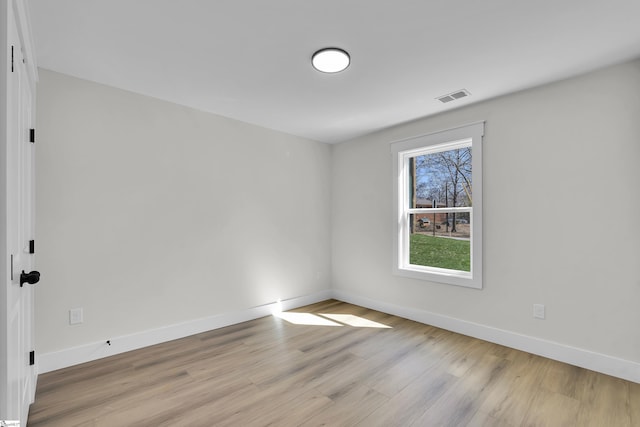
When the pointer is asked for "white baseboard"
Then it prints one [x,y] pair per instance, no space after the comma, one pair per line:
[85,353]
[598,362]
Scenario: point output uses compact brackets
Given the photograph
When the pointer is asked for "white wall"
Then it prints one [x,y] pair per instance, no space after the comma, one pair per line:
[561,209]
[151,214]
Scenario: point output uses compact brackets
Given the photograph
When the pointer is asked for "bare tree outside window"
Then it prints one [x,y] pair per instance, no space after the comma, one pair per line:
[445,175]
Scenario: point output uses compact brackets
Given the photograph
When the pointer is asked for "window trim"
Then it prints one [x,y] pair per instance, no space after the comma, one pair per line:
[403,149]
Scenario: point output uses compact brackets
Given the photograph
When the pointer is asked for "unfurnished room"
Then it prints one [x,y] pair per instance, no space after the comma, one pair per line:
[338,213]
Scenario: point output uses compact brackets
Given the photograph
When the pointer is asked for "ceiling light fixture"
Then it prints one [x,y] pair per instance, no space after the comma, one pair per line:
[330,60]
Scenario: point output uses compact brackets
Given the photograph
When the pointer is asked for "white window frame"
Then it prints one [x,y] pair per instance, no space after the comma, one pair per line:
[440,141]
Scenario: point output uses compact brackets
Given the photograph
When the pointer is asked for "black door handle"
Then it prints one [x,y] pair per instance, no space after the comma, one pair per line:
[30,278]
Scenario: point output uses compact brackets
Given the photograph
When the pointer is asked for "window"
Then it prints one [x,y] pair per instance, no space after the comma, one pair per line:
[438,206]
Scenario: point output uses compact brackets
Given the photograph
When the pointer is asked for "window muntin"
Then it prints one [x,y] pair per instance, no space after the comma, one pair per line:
[439,208]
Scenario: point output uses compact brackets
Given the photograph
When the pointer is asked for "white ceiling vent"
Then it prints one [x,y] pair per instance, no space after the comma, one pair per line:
[453,96]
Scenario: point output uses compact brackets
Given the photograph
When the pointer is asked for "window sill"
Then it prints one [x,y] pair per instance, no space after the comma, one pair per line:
[440,275]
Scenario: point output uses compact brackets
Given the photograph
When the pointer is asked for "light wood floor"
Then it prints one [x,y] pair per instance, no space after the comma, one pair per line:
[273,372]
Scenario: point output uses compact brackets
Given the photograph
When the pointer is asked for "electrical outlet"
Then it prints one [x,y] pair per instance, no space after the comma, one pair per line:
[538,311]
[75,316]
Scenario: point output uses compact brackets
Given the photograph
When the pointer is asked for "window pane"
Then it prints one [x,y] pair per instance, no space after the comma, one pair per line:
[441,240]
[441,179]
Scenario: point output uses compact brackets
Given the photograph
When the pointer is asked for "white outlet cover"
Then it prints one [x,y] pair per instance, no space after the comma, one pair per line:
[75,316]
[538,311]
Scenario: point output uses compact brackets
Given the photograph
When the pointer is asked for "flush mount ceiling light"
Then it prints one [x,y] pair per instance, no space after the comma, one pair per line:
[330,60]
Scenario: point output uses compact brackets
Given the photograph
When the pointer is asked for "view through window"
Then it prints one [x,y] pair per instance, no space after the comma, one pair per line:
[438,198]
[440,201]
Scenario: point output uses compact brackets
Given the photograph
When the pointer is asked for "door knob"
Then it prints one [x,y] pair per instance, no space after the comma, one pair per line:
[30,278]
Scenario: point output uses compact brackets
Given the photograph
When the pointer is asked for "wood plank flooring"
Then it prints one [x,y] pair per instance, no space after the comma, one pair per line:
[273,372]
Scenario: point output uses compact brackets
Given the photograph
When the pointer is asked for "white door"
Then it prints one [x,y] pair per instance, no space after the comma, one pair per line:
[20,372]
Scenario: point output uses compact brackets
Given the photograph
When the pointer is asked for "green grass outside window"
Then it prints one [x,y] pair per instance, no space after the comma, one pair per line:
[440,252]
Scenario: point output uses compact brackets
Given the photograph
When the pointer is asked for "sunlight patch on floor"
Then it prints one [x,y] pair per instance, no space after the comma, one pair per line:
[355,321]
[305,319]
[326,319]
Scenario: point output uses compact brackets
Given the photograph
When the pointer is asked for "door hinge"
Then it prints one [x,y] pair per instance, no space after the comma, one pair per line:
[32,358]
[32,246]
[32,135]
[12,59]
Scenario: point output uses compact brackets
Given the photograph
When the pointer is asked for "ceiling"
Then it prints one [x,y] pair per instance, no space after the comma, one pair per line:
[251,59]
